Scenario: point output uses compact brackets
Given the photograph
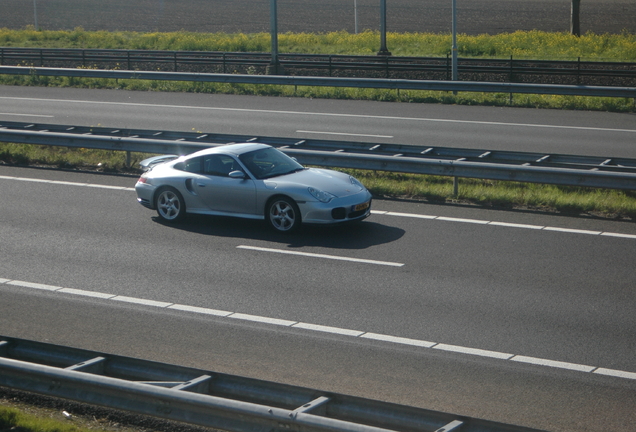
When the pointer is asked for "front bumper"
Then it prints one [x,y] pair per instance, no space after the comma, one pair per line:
[355,207]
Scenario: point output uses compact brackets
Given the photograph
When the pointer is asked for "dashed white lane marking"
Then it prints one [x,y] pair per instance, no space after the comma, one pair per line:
[553,363]
[334,330]
[329,329]
[344,134]
[473,351]
[266,320]
[315,255]
[27,115]
[615,373]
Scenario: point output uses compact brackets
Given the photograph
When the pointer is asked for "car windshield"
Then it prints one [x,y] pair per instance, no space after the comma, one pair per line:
[269,162]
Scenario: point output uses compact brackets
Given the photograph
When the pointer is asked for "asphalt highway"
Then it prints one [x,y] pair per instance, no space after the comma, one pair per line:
[489,128]
[519,317]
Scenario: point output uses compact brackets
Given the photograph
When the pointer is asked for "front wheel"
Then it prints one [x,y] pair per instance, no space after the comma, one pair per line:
[170,205]
[283,214]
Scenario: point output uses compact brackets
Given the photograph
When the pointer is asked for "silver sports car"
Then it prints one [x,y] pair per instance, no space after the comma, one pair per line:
[254,181]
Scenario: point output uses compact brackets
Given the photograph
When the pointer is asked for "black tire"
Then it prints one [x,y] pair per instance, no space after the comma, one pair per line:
[283,214]
[170,205]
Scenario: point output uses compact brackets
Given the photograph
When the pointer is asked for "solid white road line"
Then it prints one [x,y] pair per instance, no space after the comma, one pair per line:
[333,330]
[315,255]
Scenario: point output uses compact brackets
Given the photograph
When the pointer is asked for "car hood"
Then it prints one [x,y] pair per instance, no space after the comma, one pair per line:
[330,181]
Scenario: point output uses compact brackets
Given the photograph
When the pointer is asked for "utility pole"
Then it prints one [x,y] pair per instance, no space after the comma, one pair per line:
[575,24]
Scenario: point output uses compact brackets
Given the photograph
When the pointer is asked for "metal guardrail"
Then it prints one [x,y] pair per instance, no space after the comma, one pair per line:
[210,399]
[395,84]
[427,67]
[587,171]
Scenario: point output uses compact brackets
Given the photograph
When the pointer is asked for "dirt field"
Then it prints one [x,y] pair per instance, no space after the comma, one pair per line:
[474,16]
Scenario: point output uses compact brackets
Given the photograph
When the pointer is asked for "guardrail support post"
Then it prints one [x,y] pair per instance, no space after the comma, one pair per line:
[455,187]
[127,159]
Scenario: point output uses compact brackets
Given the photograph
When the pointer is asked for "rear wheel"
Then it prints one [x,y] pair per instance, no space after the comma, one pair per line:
[170,205]
[283,214]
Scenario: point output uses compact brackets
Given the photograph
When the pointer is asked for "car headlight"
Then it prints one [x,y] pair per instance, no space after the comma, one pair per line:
[356,182]
[321,196]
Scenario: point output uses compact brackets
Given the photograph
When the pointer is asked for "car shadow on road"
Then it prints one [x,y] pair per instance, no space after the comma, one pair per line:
[360,235]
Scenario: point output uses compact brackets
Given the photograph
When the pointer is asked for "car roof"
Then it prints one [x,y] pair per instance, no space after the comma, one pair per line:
[235,149]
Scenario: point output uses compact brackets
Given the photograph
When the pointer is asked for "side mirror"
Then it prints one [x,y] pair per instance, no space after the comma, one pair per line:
[237,174]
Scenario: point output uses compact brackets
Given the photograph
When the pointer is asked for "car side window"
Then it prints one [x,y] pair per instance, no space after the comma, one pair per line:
[191,165]
[218,165]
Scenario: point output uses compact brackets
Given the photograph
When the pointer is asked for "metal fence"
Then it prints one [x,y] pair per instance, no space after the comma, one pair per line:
[439,68]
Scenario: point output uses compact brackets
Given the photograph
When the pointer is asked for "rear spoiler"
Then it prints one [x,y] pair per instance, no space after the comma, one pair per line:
[147,164]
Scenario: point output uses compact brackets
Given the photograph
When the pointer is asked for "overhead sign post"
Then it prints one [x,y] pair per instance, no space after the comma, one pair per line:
[383,49]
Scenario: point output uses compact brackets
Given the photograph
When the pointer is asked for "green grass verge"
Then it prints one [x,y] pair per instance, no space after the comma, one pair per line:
[520,44]
[13,419]
[436,189]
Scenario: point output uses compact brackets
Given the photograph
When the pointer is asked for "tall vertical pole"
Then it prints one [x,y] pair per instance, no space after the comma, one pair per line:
[274,67]
[35,14]
[383,49]
[355,15]
[454,40]
[575,23]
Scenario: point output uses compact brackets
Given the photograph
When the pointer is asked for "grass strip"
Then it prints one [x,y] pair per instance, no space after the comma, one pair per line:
[13,419]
